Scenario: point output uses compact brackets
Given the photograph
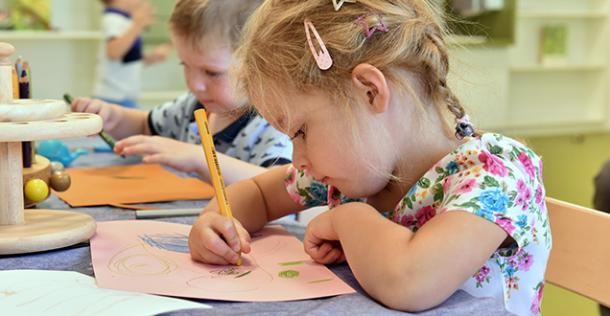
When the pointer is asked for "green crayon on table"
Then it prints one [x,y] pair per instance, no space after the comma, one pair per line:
[105,136]
[107,139]
[68,98]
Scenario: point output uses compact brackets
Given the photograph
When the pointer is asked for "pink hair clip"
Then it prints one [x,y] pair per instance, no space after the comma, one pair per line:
[370,30]
[338,3]
[322,56]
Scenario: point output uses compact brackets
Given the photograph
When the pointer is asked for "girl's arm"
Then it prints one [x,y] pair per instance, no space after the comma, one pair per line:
[410,271]
[233,169]
[254,202]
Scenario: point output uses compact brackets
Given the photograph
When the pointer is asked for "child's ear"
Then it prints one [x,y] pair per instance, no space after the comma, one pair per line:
[371,85]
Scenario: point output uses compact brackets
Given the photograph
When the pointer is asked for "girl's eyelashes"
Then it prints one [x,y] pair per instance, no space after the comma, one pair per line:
[300,132]
[213,73]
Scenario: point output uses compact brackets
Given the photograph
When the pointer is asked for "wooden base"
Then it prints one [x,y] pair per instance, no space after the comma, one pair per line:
[45,230]
[37,230]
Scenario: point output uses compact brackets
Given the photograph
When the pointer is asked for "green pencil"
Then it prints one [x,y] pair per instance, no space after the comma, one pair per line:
[105,136]
[107,139]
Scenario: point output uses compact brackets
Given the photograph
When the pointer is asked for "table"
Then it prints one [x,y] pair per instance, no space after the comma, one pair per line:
[78,258]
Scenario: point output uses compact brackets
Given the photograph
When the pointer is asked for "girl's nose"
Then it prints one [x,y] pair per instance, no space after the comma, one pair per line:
[299,156]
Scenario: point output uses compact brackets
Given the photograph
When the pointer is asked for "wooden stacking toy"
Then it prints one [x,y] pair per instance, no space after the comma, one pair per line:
[29,230]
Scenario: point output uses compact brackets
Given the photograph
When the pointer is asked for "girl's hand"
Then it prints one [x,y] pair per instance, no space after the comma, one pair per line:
[321,241]
[215,240]
[110,113]
[181,156]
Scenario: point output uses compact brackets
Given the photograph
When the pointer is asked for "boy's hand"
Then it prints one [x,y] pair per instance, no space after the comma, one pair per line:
[143,15]
[215,240]
[158,55]
[179,155]
[321,241]
[110,113]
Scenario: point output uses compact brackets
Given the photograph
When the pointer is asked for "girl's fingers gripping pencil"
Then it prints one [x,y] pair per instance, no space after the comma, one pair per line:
[210,155]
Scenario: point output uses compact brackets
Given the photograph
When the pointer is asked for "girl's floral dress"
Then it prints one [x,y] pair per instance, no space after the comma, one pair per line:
[491,176]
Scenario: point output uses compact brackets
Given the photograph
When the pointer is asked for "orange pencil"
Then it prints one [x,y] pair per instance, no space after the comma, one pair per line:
[210,155]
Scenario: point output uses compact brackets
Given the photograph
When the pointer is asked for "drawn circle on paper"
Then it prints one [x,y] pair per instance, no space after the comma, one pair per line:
[142,264]
[137,261]
[232,279]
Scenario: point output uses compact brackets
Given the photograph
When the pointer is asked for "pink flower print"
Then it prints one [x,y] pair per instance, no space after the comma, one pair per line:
[513,261]
[525,261]
[396,214]
[506,224]
[424,214]
[513,283]
[466,186]
[446,184]
[535,307]
[492,164]
[482,276]
[521,186]
[521,201]
[540,168]
[540,291]
[527,164]
[523,195]
[407,221]
[539,195]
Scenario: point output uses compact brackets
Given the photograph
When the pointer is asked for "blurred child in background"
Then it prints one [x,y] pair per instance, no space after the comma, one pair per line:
[121,56]
[205,35]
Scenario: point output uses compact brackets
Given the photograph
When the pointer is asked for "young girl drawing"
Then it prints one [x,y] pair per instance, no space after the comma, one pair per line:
[421,205]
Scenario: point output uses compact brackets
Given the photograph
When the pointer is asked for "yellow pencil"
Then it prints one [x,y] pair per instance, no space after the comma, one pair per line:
[210,155]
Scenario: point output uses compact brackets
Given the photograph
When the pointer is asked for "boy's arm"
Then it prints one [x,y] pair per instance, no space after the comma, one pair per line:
[413,271]
[120,122]
[132,122]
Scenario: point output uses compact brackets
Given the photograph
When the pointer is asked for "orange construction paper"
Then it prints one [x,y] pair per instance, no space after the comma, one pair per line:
[153,257]
[142,183]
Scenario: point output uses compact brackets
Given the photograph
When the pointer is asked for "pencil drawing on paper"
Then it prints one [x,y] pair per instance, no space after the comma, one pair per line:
[170,242]
[233,279]
[154,257]
[137,260]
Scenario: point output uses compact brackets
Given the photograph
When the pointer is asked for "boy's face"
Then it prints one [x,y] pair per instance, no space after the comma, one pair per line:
[206,72]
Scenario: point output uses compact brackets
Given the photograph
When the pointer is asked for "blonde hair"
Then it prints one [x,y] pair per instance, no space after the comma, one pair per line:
[194,19]
[275,49]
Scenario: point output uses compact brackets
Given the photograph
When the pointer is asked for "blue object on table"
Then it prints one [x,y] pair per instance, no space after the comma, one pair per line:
[102,149]
[56,150]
